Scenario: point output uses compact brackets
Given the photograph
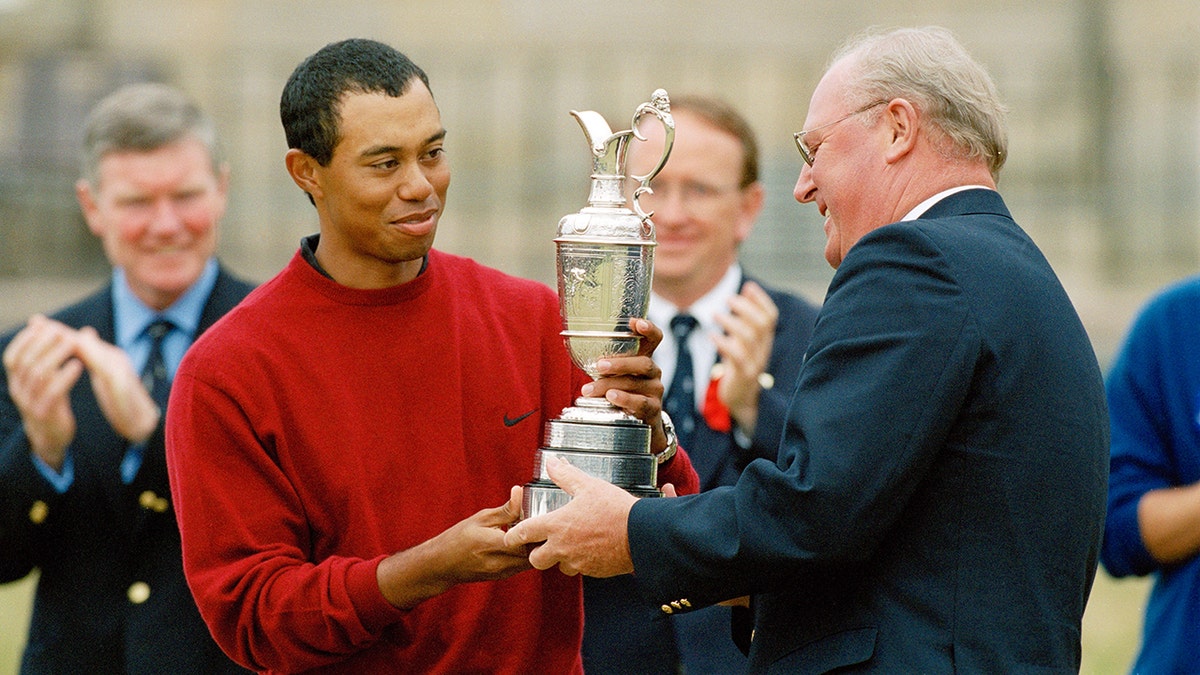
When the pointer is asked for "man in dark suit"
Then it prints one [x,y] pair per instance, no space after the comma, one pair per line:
[83,481]
[938,500]
[731,351]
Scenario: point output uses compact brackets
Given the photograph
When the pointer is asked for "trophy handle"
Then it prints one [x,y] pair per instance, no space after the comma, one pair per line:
[642,189]
[660,107]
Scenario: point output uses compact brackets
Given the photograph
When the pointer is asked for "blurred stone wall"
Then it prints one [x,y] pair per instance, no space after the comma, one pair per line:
[1104,130]
[1103,94]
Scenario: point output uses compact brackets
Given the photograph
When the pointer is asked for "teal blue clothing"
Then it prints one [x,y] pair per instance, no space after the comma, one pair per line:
[1154,406]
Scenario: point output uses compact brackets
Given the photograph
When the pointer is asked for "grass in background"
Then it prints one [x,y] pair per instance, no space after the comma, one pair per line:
[1112,624]
[15,600]
[1110,627]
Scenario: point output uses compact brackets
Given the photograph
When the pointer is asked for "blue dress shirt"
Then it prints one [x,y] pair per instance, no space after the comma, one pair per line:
[130,318]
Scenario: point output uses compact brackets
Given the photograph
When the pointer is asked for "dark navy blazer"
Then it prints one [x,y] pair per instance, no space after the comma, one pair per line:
[717,458]
[623,635]
[938,499]
[111,595]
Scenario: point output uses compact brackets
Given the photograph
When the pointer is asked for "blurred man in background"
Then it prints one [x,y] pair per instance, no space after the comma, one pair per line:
[732,354]
[84,496]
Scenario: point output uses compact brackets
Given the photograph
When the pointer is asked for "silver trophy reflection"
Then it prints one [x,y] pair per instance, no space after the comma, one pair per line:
[605,267]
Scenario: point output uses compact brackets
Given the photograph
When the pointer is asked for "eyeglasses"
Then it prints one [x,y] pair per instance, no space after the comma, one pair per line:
[808,153]
[694,197]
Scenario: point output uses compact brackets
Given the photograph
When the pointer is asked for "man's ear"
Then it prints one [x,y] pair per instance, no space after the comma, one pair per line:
[901,118]
[753,197]
[87,203]
[303,169]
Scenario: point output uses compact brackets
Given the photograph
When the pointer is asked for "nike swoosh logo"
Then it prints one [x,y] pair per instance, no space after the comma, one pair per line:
[510,421]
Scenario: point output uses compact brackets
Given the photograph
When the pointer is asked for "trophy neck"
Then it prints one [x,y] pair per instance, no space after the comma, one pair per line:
[597,410]
[607,191]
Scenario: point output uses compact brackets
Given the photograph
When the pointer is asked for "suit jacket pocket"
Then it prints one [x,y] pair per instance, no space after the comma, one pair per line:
[839,650]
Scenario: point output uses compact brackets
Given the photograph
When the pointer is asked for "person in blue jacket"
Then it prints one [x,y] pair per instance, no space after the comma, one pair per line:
[1153,524]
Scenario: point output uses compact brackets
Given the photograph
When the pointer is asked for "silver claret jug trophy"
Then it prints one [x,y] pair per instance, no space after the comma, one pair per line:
[605,267]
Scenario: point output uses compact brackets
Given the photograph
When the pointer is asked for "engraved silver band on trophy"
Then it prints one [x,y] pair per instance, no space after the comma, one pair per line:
[605,267]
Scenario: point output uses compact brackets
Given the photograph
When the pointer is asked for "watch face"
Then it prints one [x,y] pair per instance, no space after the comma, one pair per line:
[672,439]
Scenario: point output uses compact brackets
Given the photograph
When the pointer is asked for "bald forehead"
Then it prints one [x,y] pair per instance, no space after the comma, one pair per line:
[829,97]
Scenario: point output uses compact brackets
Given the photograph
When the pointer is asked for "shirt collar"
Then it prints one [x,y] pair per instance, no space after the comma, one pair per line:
[131,315]
[308,251]
[924,206]
[705,309]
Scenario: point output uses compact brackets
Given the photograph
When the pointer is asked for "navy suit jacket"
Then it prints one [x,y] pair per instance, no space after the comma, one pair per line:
[623,635]
[111,595]
[938,500]
[718,459]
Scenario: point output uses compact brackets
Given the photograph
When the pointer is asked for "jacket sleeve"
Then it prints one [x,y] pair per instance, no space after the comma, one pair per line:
[888,368]
[28,502]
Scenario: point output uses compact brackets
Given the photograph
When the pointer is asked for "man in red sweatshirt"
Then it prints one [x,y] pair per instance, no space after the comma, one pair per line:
[339,445]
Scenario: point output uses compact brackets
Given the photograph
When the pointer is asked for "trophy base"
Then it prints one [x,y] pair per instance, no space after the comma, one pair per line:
[541,498]
[604,442]
[597,410]
[615,467]
[575,431]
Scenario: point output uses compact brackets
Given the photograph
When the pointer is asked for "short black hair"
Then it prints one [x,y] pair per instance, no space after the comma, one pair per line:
[311,100]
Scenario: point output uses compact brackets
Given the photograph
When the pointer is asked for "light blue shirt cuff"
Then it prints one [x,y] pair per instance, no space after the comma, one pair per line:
[61,480]
[132,462]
